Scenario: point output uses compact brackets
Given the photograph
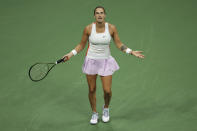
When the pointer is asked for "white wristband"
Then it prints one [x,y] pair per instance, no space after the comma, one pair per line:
[128,50]
[74,52]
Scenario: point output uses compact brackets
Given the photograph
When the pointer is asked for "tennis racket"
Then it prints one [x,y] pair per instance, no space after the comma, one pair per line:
[39,71]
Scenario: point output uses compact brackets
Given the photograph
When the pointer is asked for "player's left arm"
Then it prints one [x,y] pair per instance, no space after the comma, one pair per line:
[116,39]
[121,46]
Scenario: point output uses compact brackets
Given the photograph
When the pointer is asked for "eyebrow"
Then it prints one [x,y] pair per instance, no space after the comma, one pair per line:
[100,12]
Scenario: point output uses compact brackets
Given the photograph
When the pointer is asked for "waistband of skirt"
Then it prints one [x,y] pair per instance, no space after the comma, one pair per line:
[98,58]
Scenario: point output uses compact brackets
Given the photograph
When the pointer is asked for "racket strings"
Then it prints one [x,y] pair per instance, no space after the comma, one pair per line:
[39,71]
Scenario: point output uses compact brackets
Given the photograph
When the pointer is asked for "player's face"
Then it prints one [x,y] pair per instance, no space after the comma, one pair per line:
[99,15]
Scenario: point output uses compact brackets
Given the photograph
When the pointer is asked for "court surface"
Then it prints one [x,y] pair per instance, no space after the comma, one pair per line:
[157,93]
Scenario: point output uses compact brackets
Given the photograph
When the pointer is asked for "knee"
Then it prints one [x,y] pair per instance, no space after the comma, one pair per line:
[107,92]
[92,89]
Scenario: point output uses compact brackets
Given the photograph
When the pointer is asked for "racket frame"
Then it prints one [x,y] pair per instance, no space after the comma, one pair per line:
[44,75]
[54,64]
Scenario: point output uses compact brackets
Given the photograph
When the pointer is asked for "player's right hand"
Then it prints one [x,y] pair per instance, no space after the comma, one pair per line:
[67,56]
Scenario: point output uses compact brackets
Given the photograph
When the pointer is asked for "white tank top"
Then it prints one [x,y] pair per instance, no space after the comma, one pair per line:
[98,47]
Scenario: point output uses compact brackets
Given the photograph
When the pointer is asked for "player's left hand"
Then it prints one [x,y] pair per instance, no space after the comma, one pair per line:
[137,54]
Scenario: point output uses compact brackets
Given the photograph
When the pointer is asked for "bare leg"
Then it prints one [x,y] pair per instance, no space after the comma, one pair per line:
[107,82]
[91,79]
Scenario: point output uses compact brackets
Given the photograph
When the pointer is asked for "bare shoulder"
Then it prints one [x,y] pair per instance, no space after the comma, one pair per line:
[112,29]
[88,29]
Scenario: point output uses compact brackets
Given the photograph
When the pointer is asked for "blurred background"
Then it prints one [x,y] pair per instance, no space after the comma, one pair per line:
[151,94]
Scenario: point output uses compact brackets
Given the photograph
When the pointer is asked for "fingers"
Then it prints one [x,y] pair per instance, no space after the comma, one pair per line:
[65,58]
[139,51]
[141,56]
[138,54]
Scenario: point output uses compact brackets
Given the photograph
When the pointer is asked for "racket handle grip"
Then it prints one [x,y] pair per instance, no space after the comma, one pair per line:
[60,60]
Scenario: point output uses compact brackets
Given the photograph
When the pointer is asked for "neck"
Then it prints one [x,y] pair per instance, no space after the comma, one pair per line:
[100,24]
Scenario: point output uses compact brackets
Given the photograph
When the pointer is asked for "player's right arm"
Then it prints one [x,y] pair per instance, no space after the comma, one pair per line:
[84,40]
[82,44]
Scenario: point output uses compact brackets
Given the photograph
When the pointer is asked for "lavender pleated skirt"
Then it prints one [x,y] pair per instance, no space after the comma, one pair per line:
[102,67]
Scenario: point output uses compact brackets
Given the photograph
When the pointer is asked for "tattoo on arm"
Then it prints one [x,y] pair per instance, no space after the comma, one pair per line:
[123,47]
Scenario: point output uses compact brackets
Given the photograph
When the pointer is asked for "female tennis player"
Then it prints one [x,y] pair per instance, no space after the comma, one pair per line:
[98,60]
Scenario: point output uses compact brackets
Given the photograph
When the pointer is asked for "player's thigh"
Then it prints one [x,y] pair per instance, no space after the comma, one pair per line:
[91,79]
[106,82]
